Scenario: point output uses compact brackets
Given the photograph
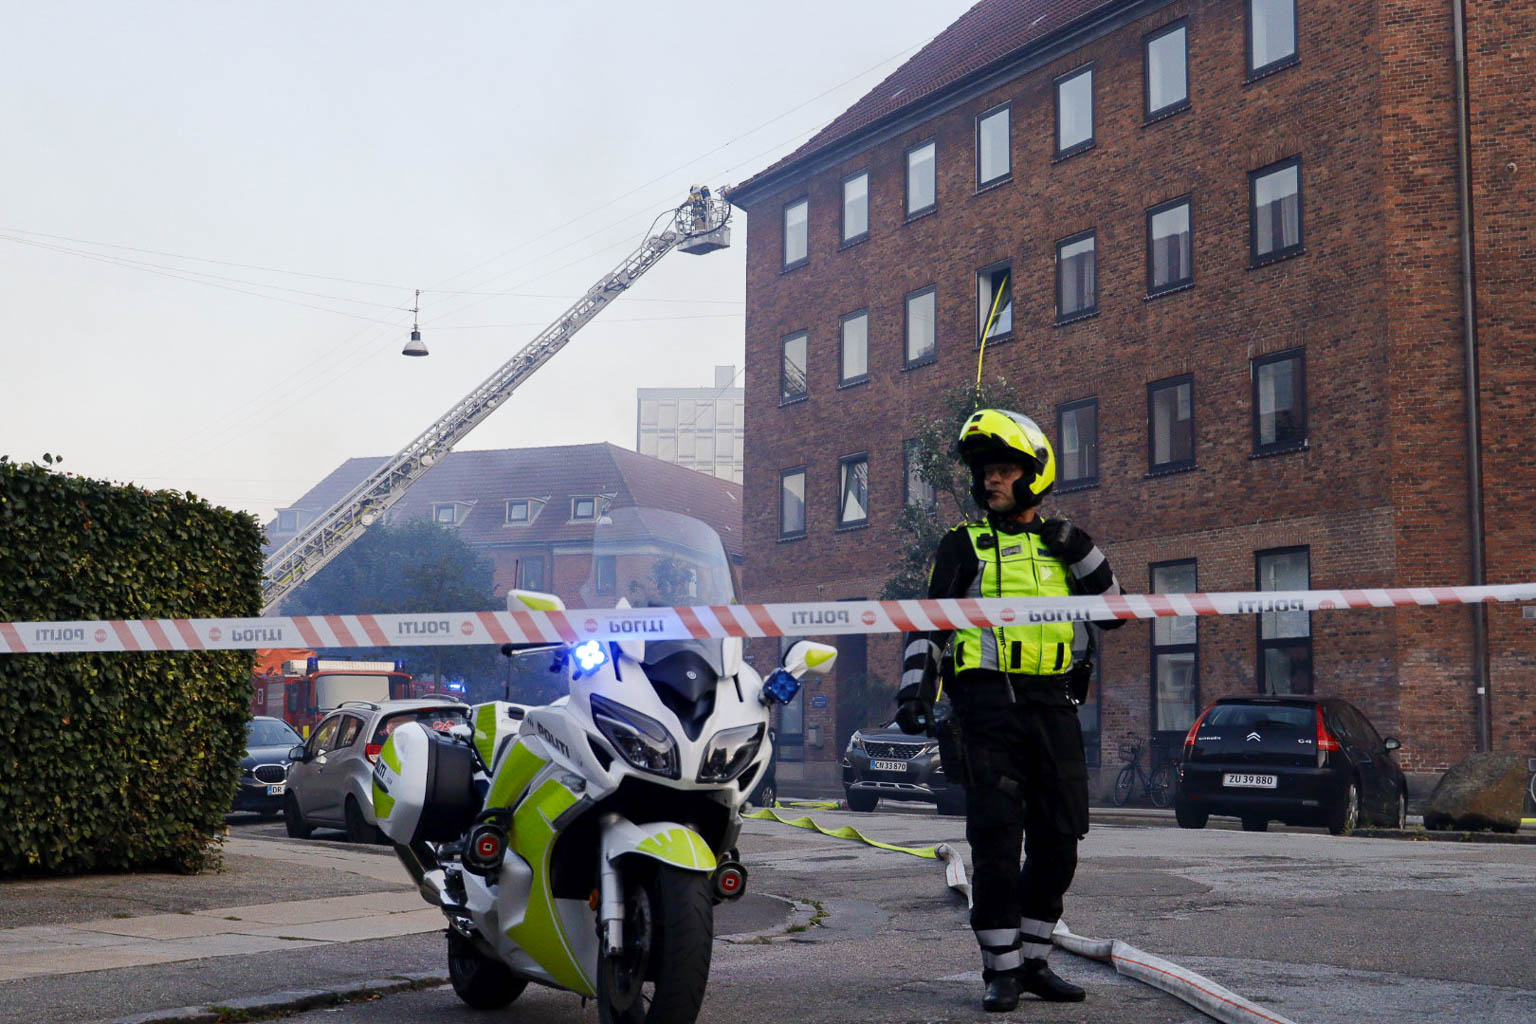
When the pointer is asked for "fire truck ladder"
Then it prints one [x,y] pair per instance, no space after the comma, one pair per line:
[699,225]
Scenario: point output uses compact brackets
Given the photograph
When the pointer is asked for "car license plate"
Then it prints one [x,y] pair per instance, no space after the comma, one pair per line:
[1249,781]
[888,766]
[276,790]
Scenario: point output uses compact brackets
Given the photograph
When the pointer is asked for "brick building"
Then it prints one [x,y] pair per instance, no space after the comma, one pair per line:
[1224,242]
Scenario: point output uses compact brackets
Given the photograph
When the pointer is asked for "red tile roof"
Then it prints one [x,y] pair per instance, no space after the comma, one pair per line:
[486,480]
[987,33]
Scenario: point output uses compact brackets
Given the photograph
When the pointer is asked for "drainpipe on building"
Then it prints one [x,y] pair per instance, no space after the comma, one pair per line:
[1474,424]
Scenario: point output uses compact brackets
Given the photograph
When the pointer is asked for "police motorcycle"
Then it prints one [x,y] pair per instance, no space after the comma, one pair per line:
[585,843]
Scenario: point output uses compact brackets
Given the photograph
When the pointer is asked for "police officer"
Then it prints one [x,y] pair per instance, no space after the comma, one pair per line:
[1019,745]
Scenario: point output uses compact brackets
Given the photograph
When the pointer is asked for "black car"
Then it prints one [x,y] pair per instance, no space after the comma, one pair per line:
[264,768]
[1298,760]
[885,762]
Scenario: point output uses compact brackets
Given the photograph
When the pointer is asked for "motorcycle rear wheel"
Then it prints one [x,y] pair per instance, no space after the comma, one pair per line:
[669,929]
[481,983]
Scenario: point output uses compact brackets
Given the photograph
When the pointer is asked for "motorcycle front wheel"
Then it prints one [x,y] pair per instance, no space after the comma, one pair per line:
[669,932]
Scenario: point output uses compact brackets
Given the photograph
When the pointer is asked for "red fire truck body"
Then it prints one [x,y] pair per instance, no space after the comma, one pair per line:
[304,690]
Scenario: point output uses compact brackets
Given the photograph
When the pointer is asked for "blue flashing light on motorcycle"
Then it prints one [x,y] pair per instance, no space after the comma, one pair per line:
[780,688]
[590,656]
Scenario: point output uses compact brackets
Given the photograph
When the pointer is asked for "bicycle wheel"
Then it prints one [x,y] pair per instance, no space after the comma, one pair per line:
[1123,785]
[1160,787]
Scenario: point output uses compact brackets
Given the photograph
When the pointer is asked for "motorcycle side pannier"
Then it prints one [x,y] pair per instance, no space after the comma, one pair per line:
[424,786]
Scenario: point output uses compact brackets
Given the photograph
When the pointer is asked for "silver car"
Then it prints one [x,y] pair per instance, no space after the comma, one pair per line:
[330,783]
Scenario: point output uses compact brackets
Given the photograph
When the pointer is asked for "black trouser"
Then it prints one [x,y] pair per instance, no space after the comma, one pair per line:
[1029,789]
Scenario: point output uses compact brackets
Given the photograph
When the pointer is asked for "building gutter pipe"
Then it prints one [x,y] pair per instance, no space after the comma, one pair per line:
[1474,419]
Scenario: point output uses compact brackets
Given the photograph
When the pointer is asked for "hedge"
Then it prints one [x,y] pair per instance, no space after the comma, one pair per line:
[119,761]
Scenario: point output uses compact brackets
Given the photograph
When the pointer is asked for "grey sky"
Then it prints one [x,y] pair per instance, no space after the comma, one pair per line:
[529,144]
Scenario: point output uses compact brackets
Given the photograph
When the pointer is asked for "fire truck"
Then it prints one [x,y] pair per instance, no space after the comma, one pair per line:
[303,690]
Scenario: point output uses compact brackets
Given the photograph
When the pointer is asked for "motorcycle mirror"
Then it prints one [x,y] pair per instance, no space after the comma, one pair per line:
[533,600]
[808,656]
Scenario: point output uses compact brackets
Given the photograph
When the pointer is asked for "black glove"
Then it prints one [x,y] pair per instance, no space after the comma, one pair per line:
[1065,541]
[914,716]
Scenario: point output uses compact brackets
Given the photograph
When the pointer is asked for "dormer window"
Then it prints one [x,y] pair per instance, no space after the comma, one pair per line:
[517,512]
[584,507]
[449,513]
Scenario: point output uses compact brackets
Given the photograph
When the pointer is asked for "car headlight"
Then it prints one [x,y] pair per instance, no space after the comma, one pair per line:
[640,740]
[928,748]
[729,751]
[857,743]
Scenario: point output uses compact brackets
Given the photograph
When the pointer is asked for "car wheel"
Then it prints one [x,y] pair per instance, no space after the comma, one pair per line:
[858,800]
[1188,817]
[1347,814]
[358,829]
[1255,824]
[768,797]
[293,819]
[952,802]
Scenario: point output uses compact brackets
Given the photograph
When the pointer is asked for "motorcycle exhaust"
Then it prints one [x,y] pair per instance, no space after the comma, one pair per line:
[729,881]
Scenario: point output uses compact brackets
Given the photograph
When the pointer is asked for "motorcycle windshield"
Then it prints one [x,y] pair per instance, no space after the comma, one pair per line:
[653,558]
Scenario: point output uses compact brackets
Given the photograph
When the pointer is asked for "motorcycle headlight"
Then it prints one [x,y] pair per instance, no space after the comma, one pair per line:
[640,740]
[729,751]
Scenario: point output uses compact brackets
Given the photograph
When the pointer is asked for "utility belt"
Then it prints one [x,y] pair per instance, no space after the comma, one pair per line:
[985,687]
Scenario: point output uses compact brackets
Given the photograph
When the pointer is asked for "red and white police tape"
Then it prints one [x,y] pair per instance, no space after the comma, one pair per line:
[823,618]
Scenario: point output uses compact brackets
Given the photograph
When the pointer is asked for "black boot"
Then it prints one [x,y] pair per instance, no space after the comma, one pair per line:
[1039,979]
[1002,992]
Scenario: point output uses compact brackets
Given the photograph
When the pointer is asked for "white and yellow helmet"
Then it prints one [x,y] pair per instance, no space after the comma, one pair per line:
[1001,435]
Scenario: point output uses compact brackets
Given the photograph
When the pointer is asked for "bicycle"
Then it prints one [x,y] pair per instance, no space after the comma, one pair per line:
[1158,784]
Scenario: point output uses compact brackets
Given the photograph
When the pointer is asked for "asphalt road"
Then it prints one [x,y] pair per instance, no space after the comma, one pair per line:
[1315,927]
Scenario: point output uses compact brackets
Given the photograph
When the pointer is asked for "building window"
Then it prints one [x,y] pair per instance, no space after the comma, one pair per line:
[796,233]
[792,387]
[1171,424]
[922,188]
[792,503]
[917,490]
[445,514]
[1285,638]
[585,507]
[530,572]
[856,207]
[1175,653]
[1170,247]
[1074,112]
[854,361]
[1275,211]
[1078,428]
[1076,277]
[606,569]
[1271,36]
[992,138]
[922,343]
[1279,402]
[853,490]
[1166,55]
[518,511]
[994,301]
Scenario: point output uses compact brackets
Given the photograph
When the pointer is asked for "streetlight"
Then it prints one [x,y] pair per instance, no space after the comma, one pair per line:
[415,347]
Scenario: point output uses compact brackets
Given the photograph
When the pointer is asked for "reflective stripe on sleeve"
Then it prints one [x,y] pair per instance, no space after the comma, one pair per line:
[912,676]
[1089,562]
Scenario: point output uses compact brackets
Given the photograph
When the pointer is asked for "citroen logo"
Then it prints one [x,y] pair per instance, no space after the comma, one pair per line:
[1253,736]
